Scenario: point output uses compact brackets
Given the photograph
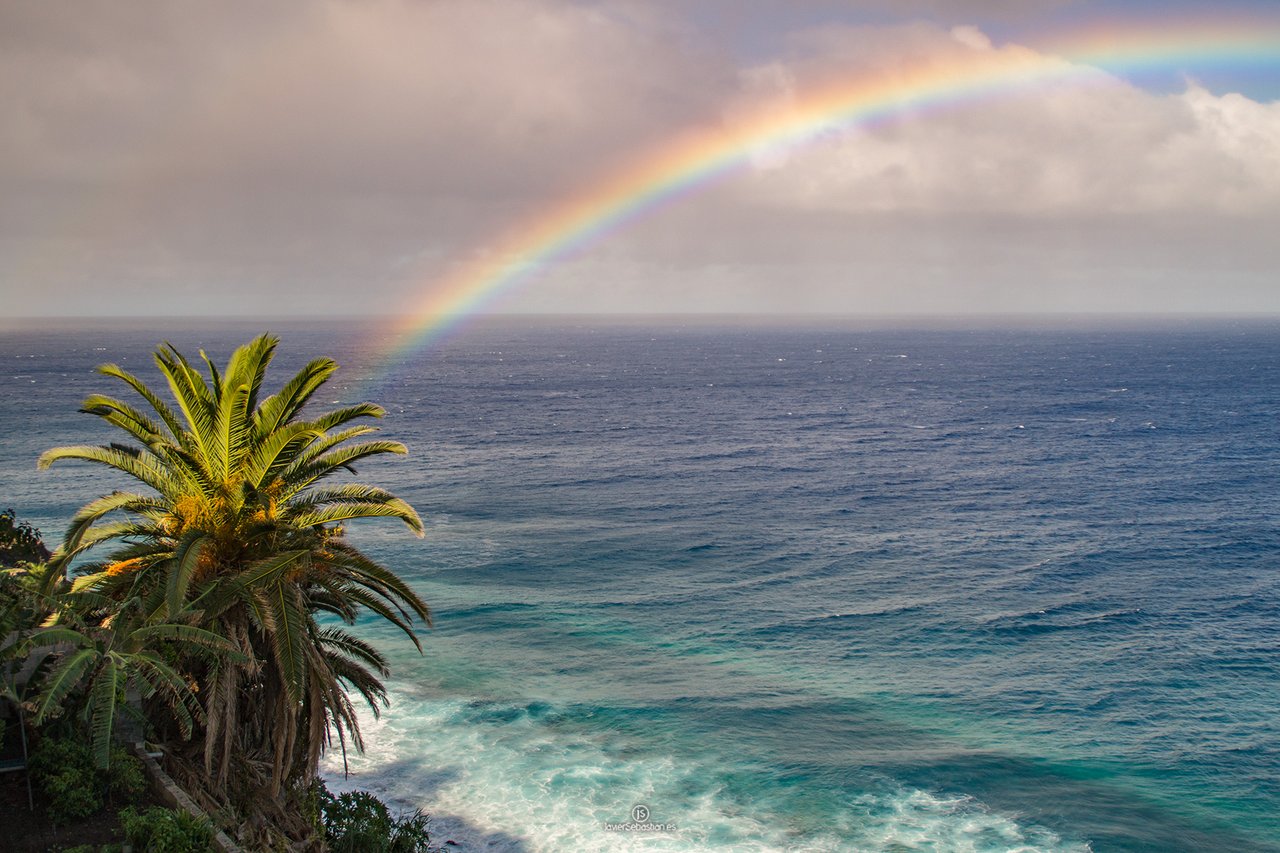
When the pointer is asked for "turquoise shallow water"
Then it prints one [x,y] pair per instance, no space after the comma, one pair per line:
[805,588]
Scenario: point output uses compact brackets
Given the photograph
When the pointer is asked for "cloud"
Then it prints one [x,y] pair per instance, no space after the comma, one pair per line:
[159,141]
[497,93]
[174,155]
[1089,143]
[971,37]
[511,99]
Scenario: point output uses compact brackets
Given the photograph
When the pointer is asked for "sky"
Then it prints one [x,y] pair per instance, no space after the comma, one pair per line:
[411,157]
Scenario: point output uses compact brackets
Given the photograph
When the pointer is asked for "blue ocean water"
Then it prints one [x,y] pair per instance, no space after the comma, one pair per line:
[825,586]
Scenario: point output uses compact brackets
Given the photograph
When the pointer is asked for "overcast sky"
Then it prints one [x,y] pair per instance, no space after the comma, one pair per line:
[167,157]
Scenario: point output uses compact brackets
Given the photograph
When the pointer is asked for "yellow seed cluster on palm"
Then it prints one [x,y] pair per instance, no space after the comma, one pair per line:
[123,567]
[189,512]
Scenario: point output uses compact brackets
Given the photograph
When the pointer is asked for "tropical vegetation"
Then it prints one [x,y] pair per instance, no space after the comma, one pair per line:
[166,831]
[74,786]
[358,822]
[213,598]
[20,543]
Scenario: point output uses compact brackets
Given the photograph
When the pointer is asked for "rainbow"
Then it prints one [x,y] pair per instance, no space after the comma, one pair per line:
[697,158]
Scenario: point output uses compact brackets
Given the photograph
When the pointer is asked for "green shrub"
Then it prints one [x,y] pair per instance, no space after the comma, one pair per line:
[359,822]
[311,803]
[356,822]
[71,796]
[63,769]
[126,778]
[410,834]
[161,830]
[19,541]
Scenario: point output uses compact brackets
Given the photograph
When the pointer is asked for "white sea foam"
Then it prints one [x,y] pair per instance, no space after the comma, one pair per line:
[513,781]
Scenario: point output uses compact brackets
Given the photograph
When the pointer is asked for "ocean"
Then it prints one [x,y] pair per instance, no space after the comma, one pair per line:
[826,585]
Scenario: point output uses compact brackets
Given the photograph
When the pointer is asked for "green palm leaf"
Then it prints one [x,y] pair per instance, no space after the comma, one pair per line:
[353,647]
[269,570]
[190,636]
[349,510]
[194,398]
[142,467]
[166,414]
[302,474]
[126,417]
[185,560]
[64,678]
[107,685]
[289,623]
[276,451]
[280,408]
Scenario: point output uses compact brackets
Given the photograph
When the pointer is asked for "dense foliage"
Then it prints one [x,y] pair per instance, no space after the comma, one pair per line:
[23,607]
[19,542]
[73,786]
[160,830]
[358,822]
[209,605]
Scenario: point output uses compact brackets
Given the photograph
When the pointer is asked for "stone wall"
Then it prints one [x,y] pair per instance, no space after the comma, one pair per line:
[175,798]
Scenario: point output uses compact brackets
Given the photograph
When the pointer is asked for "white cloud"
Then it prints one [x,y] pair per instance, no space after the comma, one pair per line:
[970,36]
[1087,143]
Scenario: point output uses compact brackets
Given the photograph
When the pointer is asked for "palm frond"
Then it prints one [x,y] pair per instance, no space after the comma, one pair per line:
[87,539]
[161,680]
[348,510]
[143,467]
[308,454]
[186,557]
[159,406]
[354,647]
[364,682]
[300,476]
[107,684]
[370,573]
[193,395]
[276,452]
[382,607]
[283,406]
[62,680]
[287,638]
[117,501]
[269,570]
[338,417]
[231,426]
[126,417]
[190,636]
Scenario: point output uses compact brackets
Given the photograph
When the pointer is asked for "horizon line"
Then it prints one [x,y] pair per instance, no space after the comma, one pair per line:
[782,316]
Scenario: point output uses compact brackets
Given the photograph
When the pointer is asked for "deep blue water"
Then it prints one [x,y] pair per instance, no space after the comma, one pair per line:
[829,587]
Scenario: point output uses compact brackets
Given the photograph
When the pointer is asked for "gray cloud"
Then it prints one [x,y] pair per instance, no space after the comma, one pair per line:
[176,156]
[386,94]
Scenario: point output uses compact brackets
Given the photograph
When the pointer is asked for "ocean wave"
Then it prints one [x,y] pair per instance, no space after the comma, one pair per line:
[1063,617]
[532,777]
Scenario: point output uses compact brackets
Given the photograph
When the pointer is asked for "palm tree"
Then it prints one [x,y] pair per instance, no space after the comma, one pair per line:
[120,651]
[237,532]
